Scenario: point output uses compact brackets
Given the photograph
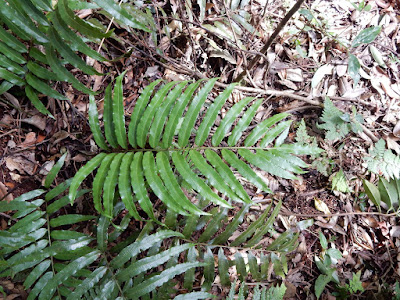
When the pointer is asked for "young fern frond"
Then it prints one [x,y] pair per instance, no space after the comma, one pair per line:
[161,159]
[22,64]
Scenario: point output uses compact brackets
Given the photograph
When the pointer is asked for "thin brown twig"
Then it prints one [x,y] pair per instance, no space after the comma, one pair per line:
[278,29]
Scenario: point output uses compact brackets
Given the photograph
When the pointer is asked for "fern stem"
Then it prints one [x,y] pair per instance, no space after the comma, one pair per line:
[51,256]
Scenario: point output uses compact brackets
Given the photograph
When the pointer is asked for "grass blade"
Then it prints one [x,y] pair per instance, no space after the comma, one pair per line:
[193,112]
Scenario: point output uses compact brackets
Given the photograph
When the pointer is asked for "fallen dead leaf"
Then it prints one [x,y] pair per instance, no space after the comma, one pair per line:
[4,193]
[37,121]
[321,206]
[30,140]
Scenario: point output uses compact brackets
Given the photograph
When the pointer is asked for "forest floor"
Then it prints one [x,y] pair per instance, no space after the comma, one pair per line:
[198,47]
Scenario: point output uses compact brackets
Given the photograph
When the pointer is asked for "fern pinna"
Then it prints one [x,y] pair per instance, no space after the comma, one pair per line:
[37,39]
[169,156]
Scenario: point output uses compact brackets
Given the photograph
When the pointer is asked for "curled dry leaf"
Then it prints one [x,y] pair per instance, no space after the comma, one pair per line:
[321,206]
[4,193]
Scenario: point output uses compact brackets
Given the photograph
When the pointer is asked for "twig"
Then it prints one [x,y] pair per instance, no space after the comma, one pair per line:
[339,214]
[271,38]
[108,29]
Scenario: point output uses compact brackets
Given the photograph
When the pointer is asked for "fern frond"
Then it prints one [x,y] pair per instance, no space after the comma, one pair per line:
[167,165]
[383,162]
[27,21]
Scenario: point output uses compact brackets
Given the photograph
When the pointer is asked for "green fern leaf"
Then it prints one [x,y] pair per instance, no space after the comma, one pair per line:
[118,112]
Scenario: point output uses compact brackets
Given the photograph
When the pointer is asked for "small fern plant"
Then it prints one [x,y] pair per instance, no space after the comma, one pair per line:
[37,39]
[169,152]
[120,260]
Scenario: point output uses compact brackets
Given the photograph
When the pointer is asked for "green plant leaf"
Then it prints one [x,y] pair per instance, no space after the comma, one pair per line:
[366,36]
[138,184]
[66,273]
[11,77]
[54,171]
[209,118]
[150,262]
[68,54]
[42,87]
[118,112]
[69,219]
[195,182]
[12,41]
[63,73]
[124,184]
[88,283]
[150,113]
[135,248]
[140,106]
[83,173]
[94,124]
[176,114]
[121,14]
[75,22]
[110,184]
[156,281]
[321,283]
[23,23]
[30,93]
[109,127]
[162,113]
[172,185]
[156,184]
[227,122]
[354,68]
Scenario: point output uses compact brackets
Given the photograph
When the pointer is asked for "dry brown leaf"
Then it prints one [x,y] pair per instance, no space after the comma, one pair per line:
[3,193]
[30,140]
[321,206]
[37,121]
